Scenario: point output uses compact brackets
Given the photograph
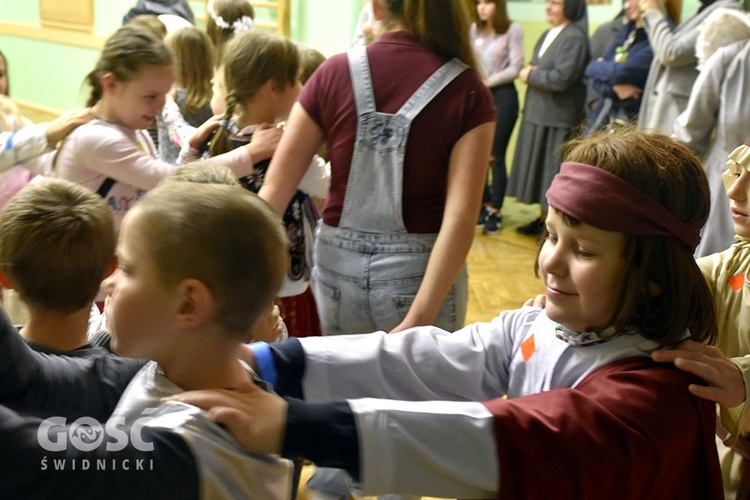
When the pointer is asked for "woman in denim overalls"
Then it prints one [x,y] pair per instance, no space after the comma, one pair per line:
[373,270]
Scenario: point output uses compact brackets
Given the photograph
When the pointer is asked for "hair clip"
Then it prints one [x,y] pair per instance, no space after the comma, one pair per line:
[245,23]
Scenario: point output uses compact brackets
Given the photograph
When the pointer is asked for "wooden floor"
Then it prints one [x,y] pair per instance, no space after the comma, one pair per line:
[501,266]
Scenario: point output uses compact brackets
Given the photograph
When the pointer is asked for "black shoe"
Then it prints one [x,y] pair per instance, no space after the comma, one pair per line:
[493,224]
[533,228]
[483,217]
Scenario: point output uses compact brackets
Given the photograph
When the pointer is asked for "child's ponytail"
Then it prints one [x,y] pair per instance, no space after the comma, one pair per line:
[94,80]
[220,142]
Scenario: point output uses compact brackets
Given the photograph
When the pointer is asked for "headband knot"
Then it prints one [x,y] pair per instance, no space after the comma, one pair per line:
[607,202]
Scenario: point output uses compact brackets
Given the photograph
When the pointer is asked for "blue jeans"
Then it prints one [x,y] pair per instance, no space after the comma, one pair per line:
[366,282]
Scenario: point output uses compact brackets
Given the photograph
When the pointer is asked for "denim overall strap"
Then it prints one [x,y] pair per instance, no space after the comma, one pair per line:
[359,70]
[432,87]
[374,191]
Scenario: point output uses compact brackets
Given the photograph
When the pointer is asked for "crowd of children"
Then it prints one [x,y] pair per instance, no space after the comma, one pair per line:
[173,221]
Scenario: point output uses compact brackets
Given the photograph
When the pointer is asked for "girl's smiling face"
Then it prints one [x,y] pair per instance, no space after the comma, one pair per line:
[583,270]
[136,103]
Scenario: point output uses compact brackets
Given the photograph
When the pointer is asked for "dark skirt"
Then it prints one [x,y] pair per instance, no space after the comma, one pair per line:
[536,161]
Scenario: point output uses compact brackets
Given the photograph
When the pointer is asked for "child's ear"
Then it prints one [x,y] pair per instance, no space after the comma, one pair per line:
[272,86]
[377,10]
[109,82]
[196,304]
[5,281]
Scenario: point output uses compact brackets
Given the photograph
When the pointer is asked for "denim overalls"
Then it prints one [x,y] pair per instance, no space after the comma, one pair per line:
[368,269]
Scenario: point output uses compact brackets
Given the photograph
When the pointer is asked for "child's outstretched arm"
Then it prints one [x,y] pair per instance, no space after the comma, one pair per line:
[723,377]
[43,385]
[464,449]
[64,124]
[34,140]
[169,470]
[357,435]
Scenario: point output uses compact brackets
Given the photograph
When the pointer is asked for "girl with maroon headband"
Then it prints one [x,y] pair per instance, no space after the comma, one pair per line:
[562,402]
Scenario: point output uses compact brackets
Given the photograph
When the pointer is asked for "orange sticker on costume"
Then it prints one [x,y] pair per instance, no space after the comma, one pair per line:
[737,281]
[528,348]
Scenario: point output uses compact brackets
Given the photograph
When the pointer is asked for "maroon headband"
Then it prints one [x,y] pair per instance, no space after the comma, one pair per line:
[605,201]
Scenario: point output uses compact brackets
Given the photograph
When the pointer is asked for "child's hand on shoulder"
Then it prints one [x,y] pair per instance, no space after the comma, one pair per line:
[724,382]
[255,418]
[265,139]
[539,301]
[61,126]
[203,133]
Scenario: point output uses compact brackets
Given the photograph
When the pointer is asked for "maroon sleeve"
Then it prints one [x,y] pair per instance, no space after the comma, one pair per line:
[327,81]
[629,430]
[480,105]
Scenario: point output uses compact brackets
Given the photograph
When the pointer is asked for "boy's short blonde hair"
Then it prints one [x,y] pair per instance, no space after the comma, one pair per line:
[57,241]
[204,172]
[224,236]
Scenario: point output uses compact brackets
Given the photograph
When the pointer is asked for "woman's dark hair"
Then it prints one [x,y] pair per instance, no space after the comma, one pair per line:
[500,21]
[442,25]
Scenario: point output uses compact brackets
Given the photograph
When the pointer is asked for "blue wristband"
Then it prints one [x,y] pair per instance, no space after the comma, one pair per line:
[9,146]
[265,363]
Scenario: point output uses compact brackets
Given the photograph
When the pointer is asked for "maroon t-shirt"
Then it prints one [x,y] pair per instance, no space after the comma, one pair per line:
[399,65]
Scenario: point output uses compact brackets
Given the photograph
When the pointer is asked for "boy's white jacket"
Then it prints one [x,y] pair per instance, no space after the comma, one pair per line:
[225,470]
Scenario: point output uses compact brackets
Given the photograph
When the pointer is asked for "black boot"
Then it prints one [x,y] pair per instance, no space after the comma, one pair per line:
[533,228]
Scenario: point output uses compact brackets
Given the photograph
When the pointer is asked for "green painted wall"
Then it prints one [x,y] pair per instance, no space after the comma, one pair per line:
[47,74]
[51,75]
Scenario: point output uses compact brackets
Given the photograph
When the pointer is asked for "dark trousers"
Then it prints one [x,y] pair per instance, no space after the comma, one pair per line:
[506,107]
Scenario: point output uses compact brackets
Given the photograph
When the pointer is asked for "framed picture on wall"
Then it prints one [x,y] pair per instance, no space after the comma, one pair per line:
[69,14]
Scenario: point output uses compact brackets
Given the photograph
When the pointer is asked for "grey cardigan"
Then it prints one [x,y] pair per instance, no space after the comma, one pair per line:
[556,92]
[673,69]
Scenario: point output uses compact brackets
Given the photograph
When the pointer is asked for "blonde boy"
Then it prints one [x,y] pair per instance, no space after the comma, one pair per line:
[57,244]
[199,267]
